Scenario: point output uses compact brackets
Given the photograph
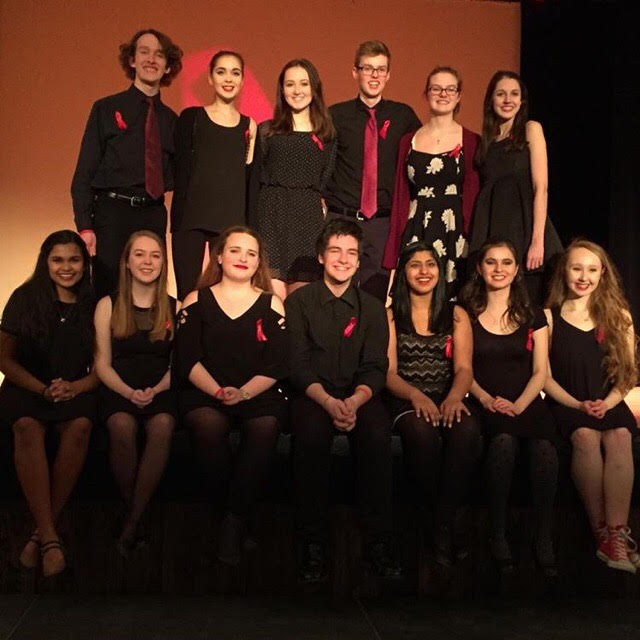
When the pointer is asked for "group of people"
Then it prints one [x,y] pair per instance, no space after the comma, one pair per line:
[304,216]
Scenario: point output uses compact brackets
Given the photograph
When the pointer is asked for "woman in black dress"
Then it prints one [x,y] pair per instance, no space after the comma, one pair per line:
[593,366]
[297,153]
[430,348]
[46,345]
[231,351]
[214,147]
[134,333]
[510,361]
[512,160]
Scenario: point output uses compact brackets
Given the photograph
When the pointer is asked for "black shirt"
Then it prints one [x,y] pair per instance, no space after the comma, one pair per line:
[112,150]
[340,342]
[350,119]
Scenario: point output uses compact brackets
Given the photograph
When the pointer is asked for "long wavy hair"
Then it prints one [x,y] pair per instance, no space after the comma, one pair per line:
[213,273]
[42,295]
[491,123]
[609,311]
[440,312]
[318,113]
[474,293]
[123,322]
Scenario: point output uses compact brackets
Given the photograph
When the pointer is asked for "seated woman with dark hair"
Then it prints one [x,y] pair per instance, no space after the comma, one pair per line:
[46,354]
[231,351]
[430,347]
[510,362]
[134,335]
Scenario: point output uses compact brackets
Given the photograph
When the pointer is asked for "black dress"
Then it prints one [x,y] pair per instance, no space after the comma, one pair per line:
[435,211]
[295,169]
[426,363]
[232,350]
[67,354]
[140,363]
[502,366]
[504,207]
[215,197]
[576,364]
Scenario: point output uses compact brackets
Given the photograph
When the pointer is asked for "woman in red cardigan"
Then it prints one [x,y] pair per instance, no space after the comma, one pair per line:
[436,182]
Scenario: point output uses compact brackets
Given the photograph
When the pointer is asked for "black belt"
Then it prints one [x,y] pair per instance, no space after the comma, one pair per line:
[134,201]
[358,215]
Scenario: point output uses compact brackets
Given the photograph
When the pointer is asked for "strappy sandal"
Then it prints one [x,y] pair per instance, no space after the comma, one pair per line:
[35,538]
[52,545]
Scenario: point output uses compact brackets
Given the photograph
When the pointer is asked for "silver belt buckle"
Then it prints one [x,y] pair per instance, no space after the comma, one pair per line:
[359,216]
[137,201]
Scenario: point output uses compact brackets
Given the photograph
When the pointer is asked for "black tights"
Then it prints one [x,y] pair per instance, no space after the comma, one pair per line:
[543,473]
[441,460]
[238,485]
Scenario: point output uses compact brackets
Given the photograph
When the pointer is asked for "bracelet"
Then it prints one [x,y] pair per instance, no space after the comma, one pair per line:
[325,400]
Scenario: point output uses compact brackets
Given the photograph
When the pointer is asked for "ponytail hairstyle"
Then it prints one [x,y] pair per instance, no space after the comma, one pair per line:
[122,319]
[608,309]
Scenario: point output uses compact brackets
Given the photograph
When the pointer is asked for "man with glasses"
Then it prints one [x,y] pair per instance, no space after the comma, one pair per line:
[369,130]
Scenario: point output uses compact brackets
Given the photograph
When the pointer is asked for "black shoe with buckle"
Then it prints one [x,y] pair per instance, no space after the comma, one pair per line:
[380,557]
[313,563]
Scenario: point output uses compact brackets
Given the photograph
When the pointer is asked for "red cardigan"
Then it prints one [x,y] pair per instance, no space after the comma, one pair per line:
[401,197]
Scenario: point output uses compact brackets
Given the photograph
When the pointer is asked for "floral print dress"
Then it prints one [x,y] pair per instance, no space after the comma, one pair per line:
[435,212]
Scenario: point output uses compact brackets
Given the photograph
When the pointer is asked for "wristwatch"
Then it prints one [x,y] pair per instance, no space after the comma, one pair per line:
[245,394]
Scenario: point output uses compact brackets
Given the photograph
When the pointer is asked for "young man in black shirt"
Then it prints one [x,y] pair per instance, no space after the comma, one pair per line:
[338,365]
[124,165]
[369,130]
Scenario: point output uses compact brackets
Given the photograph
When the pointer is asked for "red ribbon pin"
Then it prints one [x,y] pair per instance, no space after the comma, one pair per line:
[530,340]
[260,335]
[317,141]
[448,348]
[122,125]
[351,325]
[385,127]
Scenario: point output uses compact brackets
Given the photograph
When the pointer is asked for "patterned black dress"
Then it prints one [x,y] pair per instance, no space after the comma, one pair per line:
[295,168]
[435,211]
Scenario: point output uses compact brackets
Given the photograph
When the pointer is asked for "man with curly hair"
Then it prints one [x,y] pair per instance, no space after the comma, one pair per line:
[125,161]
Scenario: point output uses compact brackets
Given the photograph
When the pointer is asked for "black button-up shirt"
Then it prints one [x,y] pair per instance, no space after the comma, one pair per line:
[350,118]
[112,151]
[324,350]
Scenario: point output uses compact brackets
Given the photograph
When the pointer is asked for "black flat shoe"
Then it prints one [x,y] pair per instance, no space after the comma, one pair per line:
[383,563]
[312,568]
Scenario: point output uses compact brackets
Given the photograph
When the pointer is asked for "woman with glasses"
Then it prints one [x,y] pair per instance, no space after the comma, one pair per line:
[437,169]
[512,160]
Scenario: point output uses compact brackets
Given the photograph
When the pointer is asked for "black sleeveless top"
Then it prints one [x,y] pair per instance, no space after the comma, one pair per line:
[217,189]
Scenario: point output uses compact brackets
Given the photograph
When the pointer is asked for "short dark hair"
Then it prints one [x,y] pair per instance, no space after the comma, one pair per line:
[372,48]
[337,227]
[172,52]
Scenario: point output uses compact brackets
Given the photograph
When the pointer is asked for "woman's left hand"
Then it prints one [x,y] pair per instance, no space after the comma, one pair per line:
[535,255]
[508,408]
[61,390]
[451,410]
[230,396]
[596,408]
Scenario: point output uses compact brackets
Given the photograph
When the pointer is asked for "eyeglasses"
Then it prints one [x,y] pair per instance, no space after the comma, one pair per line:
[436,90]
[368,70]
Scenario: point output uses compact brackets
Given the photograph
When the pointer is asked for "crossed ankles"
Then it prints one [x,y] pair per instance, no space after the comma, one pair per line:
[52,555]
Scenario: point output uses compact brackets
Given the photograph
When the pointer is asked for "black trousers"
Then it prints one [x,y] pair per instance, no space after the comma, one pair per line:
[187,248]
[113,222]
[370,444]
[372,276]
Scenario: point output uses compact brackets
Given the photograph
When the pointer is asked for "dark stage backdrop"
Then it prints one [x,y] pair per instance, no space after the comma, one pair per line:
[581,63]
[59,56]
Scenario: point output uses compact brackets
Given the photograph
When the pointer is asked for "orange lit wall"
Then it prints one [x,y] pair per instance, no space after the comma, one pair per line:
[58,56]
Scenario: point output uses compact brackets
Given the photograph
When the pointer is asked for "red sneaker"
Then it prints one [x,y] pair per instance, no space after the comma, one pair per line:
[601,534]
[632,547]
[617,555]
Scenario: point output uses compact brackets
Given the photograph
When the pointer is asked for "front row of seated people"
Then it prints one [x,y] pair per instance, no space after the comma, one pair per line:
[453,379]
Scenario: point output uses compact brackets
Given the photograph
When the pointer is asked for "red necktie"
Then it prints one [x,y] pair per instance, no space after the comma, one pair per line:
[369,195]
[153,178]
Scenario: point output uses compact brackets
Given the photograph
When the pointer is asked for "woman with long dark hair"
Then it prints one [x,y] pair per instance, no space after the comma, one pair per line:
[593,366]
[512,160]
[46,355]
[214,147]
[436,181]
[297,152]
[134,335]
[231,351]
[510,340]
[430,348]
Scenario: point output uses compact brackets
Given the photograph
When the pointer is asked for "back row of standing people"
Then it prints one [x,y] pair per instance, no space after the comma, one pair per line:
[367,159]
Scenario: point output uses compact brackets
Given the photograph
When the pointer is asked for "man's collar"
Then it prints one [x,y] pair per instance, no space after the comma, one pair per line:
[349,296]
[360,104]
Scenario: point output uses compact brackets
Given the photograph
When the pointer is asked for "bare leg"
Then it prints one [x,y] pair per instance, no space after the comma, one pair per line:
[618,476]
[152,464]
[587,471]
[123,454]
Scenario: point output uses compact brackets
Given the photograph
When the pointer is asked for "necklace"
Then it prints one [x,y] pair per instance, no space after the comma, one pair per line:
[62,313]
